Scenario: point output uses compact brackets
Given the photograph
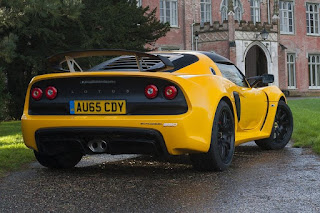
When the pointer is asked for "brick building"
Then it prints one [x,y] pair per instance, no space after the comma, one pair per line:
[233,29]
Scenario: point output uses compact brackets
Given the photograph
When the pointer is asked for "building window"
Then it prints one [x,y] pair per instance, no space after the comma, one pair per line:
[312,19]
[314,71]
[169,12]
[255,10]
[286,17]
[291,68]
[224,10]
[205,11]
[237,8]
[139,3]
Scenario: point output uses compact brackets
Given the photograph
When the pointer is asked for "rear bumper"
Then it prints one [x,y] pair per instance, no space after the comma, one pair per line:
[119,140]
[175,134]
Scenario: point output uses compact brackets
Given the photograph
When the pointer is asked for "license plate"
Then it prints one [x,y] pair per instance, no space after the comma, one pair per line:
[98,107]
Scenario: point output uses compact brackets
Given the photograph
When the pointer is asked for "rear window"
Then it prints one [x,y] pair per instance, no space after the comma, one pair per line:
[129,63]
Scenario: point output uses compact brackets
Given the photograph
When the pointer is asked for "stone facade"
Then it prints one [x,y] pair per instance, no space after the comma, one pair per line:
[235,38]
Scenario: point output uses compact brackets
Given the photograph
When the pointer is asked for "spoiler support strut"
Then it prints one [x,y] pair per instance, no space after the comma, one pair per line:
[56,61]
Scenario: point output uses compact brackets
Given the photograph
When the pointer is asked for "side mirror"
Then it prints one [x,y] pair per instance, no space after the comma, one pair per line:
[265,79]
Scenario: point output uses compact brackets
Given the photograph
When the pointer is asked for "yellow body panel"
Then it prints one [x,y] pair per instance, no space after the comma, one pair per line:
[192,132]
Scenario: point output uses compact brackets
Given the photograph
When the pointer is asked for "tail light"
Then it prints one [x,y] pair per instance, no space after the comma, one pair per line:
[151,91]
[36,93]
[170,92]
[51,92]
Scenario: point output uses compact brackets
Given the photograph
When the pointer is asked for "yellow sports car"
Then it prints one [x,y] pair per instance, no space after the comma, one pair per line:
[162,103]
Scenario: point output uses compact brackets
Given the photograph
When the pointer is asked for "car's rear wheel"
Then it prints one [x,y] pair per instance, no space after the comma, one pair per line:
[221,150]
[281,131]
[59,161]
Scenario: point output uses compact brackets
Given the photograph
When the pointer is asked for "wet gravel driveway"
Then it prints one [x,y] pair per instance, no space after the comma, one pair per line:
[258,181]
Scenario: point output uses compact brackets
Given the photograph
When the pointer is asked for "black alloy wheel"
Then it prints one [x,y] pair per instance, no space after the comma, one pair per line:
[220,154]
[281,125]
[225,136]
[281,131]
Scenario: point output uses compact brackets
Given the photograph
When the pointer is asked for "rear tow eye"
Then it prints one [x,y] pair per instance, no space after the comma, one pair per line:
[97,146]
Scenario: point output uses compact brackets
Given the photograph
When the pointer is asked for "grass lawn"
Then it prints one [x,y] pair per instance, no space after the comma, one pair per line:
[306,116]
[13,153]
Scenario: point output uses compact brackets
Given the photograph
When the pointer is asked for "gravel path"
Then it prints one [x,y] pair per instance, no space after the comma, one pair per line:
[257,181]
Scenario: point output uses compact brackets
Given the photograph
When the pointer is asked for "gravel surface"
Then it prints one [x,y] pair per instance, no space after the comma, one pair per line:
[257,181]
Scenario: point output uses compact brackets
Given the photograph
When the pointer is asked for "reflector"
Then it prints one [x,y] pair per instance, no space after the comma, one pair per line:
[170,92]
[151,91]
[36,93]
[51,92]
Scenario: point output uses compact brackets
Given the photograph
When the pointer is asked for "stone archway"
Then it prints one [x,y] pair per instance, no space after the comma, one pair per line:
[256,62]
[270,50]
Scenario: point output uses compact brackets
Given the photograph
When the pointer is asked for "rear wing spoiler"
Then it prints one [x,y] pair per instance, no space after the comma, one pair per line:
[56,61]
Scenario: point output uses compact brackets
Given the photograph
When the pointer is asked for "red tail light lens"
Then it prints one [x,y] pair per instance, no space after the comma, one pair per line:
[170,92]
[51,92]
[151,91]
[36,93]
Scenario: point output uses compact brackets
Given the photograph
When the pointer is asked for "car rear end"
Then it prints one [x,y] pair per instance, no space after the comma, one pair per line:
[113,112]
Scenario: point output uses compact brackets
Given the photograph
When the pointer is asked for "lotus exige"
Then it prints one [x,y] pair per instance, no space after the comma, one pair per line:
[162,103]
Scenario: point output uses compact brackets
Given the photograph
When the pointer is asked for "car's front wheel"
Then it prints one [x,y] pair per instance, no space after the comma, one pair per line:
[59,161]
[221,150]
[281,131]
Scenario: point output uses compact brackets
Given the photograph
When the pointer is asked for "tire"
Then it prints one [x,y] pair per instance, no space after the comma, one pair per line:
[281,131]
[220,154]
[61,161]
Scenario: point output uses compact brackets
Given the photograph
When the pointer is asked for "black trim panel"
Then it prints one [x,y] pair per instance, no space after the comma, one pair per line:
[265,118]
[217,58]
[238,104]
[130,89]
[53,141]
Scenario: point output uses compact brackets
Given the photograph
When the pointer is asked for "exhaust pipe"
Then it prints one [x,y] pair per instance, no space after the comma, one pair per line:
[97,146]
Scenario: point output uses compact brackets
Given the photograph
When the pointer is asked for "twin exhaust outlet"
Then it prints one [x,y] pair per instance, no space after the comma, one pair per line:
[97,146]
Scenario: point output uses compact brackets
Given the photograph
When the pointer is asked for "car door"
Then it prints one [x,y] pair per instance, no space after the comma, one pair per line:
[253,108]
[251,103]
